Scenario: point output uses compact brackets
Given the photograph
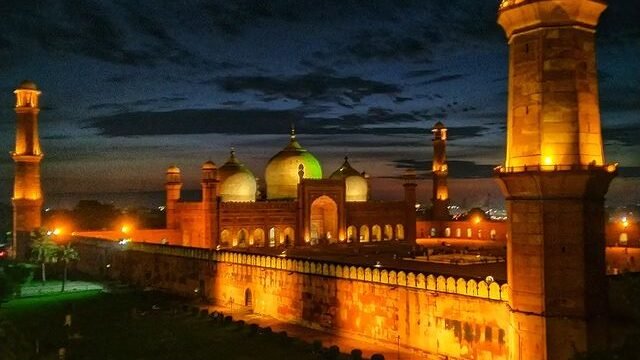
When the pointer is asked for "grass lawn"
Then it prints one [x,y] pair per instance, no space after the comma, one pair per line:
[124,326]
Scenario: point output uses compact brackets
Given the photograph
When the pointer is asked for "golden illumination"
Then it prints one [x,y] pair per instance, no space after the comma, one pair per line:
[548,160]
[476,219]
[624,222]
[125,229]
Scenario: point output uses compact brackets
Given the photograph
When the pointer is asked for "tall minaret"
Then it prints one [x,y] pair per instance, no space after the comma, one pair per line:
[554,179]
[210,194]
[440,198]
[27,193]
[173,187]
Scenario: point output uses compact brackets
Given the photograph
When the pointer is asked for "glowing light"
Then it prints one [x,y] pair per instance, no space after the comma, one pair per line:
[625,222]
[125,229]
[548,160]
[57,231]
[283,253]
[489,279]
[476,220]
[612,167]
[378,264]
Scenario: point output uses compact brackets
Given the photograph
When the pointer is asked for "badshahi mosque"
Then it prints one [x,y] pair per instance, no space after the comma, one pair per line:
[553,302]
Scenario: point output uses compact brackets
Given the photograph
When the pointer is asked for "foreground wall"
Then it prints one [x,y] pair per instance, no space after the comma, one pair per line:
[451,317]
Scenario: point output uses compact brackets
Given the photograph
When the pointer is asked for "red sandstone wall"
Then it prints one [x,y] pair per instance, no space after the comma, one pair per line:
[155,236]
[426,312]
[461,230]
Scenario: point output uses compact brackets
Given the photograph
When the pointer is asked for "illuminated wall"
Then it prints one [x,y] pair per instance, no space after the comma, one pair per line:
[458,318]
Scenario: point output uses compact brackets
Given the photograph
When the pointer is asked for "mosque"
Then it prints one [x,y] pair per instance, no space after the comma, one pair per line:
[300,207]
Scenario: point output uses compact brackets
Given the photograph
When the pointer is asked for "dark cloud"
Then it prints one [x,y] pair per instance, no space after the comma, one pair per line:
[311,86]
[443,78]
[421,73]
[384,45]
[138,103]
[625,135]
[262,121]
[457,168]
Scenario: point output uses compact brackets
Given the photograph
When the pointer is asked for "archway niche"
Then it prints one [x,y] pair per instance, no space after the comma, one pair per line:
[324,220]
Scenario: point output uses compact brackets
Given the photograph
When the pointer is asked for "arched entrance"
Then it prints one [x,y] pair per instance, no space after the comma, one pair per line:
[248,298]
[258,237]
[351,234]
[324,220]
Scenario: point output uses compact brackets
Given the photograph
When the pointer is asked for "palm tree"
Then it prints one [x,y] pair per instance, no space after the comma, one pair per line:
[67,254]
[43,250]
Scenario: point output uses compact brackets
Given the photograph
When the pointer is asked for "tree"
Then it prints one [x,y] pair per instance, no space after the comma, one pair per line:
[43,250]
[66,254]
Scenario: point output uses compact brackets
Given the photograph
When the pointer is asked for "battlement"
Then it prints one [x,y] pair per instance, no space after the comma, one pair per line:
[382,275]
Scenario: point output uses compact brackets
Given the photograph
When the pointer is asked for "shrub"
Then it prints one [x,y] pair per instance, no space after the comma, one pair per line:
[228,320]
[253,329]
[377,357]
[356,354]
[332,353]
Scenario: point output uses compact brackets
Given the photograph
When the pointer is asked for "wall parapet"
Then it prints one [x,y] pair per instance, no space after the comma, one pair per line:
[381,275]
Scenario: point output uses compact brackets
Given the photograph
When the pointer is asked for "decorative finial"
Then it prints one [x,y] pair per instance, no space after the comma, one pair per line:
[293,131]
[232,150]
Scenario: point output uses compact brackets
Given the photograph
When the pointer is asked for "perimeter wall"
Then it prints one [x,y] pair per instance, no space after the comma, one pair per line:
[446,317]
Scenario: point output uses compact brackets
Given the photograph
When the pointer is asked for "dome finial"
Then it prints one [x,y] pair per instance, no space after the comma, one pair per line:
[293,131]
[232,151]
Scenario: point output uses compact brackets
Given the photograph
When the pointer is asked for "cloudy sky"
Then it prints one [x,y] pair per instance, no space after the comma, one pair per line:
[132,86]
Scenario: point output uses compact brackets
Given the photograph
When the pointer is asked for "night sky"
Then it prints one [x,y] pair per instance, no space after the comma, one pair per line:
[131,87]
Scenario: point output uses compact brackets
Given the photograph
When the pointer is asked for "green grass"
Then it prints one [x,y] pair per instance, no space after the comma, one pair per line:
[111,329]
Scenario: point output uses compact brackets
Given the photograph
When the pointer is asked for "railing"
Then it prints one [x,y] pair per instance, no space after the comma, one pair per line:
[393,277]
[612,168]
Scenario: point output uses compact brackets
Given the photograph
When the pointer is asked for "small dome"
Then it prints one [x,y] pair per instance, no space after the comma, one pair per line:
[237,182]
[281,173]
[438,126]
[209,165]
[357,188]
[173,170]
[27,85]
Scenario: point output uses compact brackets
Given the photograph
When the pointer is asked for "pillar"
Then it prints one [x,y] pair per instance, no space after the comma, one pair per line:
[555,180]
[172,186]
[27,193]
[440,197]
[210,194]
[410,205]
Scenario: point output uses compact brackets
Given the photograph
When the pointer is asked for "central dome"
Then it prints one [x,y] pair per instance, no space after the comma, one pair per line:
[281,174]
[237,183]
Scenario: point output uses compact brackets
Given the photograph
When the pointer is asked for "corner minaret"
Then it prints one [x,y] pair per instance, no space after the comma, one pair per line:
[173,186]
[440,198]
[210,194]
[554,179]
[27,193]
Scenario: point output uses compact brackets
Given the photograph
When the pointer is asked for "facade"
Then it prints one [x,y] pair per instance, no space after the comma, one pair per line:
[301,207]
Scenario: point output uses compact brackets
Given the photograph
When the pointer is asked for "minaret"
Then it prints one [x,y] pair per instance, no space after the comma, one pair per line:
[27,193]
[440,198]
[172,187]
[410,205]
[554,180]
[210,195]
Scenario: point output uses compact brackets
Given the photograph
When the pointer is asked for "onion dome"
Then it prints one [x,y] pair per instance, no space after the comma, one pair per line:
[173,170]
[357,188]
[281,173]
[438,126]
[173,174]
[209,165]
[209,171]
[237,182]
[27,85]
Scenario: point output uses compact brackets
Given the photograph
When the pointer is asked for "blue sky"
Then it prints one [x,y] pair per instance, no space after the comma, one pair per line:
[130,87]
